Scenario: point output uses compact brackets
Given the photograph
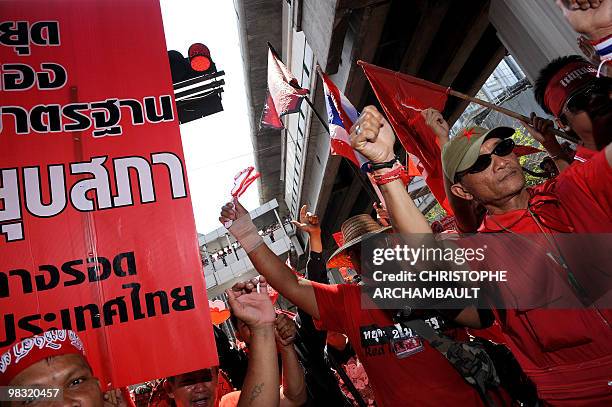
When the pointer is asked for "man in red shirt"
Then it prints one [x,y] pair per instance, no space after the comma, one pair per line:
[411,375]
[567,353]
[568,89]
[199,388]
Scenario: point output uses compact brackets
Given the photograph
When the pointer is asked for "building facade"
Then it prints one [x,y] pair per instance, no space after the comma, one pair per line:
[453,43]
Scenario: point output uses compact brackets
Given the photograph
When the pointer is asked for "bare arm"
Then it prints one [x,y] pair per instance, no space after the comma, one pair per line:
[539,129]
[373,137]
[260,387]
[293,392]
[261,381]
[294,387]
[268,264]
[309,223]
[404,214]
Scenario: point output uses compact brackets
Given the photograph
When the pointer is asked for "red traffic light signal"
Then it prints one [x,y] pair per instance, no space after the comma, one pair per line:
[199,57]
[197,63]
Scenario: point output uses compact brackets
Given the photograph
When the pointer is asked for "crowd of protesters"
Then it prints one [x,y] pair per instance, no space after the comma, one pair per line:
[468,356]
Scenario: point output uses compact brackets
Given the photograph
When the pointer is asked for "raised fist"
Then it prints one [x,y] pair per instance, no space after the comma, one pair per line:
[373,136]
[308,222]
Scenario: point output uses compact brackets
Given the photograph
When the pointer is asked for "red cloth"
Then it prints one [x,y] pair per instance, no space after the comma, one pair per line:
[425,378]
[284,93]
[584,154]
[243,180]
[403,97]
[565,82]
[127,398]
[584,196]
[567,353]
[521,150]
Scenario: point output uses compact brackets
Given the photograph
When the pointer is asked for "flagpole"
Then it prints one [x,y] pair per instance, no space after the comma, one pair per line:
[323,122]
[507,112]
[358,173]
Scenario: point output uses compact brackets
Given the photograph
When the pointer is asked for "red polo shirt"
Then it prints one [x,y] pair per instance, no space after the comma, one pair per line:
[422,377]
[567,353]
[583,154]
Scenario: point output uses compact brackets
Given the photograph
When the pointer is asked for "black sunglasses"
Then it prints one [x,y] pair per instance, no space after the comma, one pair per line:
[581,100]
[502,149]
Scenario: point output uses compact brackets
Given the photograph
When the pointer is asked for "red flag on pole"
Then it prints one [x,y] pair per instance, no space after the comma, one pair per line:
[284,93]
[403,97]
[521,150]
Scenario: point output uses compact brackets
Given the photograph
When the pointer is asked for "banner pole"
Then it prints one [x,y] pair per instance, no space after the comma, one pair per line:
[507,112]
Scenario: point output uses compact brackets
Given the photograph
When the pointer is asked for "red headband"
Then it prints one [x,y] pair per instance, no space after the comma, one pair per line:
[565,82]
[36,348]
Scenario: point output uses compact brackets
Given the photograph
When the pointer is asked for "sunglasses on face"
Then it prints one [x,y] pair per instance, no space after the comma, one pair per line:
[581,101]
[502,149]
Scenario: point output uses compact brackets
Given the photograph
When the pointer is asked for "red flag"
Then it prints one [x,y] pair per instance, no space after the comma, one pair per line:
[520,150]
[403,97]
[243,180]
[284,93]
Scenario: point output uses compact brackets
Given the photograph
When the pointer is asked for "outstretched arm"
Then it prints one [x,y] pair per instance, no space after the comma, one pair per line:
[309,223]
[373,137]
[268,264]
[294,386]
[260,387]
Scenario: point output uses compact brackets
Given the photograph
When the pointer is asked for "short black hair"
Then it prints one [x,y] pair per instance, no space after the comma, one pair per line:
[546,74]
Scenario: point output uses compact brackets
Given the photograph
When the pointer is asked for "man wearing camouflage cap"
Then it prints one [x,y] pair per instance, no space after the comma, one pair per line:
[566,353]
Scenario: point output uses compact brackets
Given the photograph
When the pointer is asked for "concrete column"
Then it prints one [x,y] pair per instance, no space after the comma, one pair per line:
[534,32]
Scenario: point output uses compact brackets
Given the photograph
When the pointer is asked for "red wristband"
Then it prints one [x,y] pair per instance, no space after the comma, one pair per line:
[398,172]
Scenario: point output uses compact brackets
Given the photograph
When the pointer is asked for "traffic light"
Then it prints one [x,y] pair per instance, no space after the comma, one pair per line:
[198,68]
[199,58]
[198,63]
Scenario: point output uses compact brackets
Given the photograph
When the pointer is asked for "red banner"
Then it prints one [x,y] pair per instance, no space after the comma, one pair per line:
[96,226]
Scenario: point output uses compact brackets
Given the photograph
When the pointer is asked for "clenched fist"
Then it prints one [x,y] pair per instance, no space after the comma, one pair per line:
[373,136]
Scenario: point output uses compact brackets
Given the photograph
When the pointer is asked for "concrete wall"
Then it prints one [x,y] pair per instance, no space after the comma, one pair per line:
[318,23]
[533,31]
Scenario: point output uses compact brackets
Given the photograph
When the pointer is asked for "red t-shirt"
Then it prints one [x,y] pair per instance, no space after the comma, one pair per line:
[579,200]
[584,154]
[423,377]
[567,353]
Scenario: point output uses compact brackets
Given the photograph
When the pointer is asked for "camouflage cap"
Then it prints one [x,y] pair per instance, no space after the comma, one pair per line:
[462,151]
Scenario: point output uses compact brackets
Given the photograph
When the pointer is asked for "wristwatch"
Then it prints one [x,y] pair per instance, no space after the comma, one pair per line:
[370,166]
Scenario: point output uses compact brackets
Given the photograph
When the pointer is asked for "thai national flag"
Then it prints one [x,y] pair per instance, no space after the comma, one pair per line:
[341,116]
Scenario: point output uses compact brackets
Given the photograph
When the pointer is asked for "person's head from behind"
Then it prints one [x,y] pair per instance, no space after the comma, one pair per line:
[53,359]
[481,165]
[568,89]
[194,389]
